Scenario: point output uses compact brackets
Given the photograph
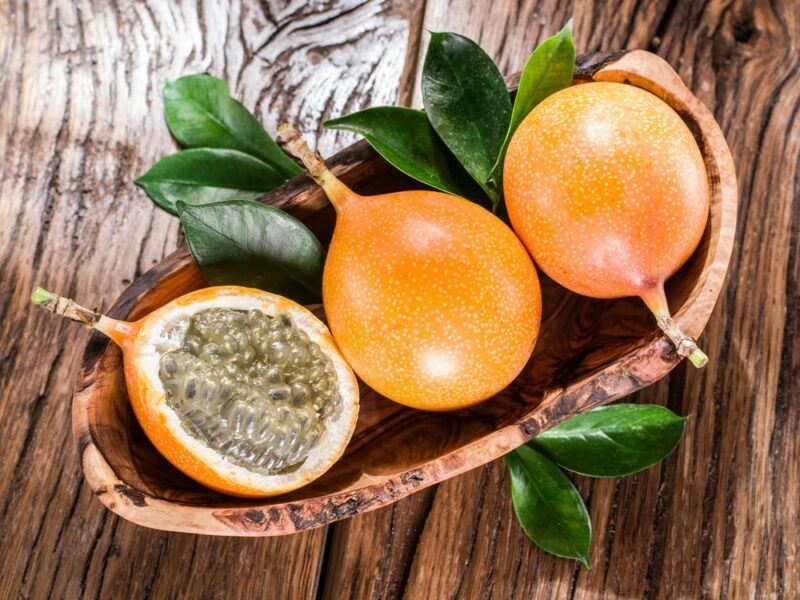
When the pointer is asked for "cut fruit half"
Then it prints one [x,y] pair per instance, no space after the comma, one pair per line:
[242,390]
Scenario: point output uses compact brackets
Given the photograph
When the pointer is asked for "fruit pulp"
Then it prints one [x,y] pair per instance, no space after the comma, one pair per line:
[252,386]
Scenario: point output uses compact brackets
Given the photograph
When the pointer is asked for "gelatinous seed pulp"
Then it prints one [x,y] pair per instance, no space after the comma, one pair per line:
[252,386]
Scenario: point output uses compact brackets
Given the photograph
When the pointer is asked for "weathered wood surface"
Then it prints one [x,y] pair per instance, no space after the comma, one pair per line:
[80,117]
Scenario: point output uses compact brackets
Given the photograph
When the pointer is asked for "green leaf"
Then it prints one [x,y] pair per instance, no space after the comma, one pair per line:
[205,175]
[242,242]
[548,507]
[550,68]
[467,103]
[201,114]
[613,441]
[405,138]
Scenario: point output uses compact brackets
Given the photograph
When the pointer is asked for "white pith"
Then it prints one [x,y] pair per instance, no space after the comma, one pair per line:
[156,338]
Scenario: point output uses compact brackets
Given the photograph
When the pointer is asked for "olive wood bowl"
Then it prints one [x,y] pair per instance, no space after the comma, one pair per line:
[590,352]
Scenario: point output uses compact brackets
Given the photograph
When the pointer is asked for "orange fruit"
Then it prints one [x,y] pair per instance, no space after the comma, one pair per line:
[432,299]
[606,186]
[242,390]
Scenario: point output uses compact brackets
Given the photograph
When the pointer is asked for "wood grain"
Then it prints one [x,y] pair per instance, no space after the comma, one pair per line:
[718,519]
[668,532]
[80,118]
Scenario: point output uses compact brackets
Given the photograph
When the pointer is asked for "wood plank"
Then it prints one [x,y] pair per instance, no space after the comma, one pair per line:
[733,481]
[80,117]
[370,555]
[715,519]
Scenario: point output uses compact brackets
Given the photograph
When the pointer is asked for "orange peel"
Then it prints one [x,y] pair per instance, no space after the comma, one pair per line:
[143,342]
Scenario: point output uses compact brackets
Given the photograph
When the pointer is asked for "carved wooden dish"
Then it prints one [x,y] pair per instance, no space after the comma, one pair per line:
[590,352]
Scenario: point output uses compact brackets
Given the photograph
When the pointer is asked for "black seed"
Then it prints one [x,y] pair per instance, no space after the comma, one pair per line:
[300,391]
[280,393]
[168,365]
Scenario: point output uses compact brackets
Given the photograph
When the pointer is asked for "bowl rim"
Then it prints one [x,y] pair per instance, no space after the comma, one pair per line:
[639,367]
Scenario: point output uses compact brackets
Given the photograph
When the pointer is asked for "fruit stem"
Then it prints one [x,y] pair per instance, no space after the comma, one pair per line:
[58,305]
[685,345]
[337,192]
[295,145]
[119,331]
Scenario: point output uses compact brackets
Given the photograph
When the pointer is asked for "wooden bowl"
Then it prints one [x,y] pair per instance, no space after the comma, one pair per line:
[590,352]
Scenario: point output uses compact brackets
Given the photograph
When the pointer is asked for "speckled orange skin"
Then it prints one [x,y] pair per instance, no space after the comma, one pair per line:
[432,300]
[606,187]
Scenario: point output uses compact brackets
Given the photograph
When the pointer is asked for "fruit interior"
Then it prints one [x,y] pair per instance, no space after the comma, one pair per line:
[251,386]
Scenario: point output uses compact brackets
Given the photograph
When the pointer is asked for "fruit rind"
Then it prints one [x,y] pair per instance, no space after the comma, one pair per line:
[432,299]
[429,332]
[606,186]
[189,454]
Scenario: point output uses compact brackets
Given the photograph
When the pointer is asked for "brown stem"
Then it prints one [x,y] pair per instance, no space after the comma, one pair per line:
[684,345]
[295,145]
[338,193]
[65,307]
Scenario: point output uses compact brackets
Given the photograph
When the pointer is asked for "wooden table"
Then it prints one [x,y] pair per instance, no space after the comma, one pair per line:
[80,117]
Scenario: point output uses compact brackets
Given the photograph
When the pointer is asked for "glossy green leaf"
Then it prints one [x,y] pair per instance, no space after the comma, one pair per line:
[242,242]
[550,68]
[405,138]
[548,507]
[201,114]
[205,175]
[467,103]
[613,441]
